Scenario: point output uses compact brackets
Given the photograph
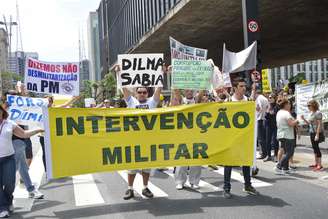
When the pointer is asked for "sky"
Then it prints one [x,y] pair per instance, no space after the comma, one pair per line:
[50,27]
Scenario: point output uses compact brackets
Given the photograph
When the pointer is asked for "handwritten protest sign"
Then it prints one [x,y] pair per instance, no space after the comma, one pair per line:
[140,70]
[52,77]
[191,74]
[26,110]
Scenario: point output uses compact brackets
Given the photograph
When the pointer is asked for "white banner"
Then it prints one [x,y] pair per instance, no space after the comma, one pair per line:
[181,51]
[236,62]
[52,77]
[26,110]
[140,70]
[317,91]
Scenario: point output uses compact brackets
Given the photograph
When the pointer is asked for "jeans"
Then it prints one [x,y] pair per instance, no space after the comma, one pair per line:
[43,153]
[261,137]
[227,177]
[289,147]
[21,165]
[271,140]
[7,181]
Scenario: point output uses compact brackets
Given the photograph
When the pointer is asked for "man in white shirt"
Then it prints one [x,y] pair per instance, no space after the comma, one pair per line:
[140,101]
[262,105]
[239,86]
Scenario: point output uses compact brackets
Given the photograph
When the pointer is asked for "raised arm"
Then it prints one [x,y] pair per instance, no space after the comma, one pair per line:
[69,102]
[21,133]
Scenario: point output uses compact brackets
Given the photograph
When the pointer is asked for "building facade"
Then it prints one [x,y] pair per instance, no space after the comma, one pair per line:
[3,54]
[84,72]
[123,23]
[16,61]
[315,70]
[93,46]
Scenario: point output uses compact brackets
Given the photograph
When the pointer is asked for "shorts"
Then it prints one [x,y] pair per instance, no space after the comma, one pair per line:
[133,172]
[28,149]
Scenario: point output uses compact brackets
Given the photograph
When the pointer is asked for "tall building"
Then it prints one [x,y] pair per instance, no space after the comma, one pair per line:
[312,71]
[93,46]
[3,50]
[84,72]
[122,24]
[3,54]
[16,61]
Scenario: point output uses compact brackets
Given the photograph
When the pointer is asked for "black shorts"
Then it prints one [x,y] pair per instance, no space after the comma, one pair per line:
[28,149]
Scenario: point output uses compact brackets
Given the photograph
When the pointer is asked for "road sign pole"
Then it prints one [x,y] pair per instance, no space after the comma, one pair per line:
[252,31]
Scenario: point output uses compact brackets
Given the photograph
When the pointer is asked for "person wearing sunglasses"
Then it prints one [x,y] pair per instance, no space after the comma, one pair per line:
[140,100]
[316,132]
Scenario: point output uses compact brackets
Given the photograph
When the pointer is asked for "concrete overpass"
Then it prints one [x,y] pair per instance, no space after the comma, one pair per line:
[291,31]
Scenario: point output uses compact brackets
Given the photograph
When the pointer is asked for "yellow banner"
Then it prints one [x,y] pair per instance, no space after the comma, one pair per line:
[80,141]
[265,81]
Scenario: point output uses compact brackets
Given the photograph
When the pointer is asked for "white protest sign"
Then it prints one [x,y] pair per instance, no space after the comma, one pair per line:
[88,102]
[140,70]
[315,91]
[26,110]
[52,77]
[181,51]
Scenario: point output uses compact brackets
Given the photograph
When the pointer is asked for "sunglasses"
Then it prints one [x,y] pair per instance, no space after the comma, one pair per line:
[309,105]
[142,92]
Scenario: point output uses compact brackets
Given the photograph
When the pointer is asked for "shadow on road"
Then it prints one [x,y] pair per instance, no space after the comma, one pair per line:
[167,207]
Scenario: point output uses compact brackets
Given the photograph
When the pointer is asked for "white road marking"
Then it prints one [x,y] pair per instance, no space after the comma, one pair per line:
[86,191]
[138,185]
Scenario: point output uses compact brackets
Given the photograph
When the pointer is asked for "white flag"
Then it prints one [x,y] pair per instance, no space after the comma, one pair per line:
[237,62]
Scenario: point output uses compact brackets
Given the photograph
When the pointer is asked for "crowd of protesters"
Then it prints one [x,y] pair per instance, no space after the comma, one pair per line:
[277,129]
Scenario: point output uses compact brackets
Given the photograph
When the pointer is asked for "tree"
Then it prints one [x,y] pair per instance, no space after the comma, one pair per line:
[9,80]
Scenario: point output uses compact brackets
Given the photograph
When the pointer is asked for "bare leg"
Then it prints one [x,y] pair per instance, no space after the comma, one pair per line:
[280,153]
[131,179]
[145,178]
[28,161]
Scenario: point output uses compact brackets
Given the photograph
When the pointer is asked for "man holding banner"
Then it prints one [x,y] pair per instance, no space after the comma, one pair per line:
[239,86]
[140,101]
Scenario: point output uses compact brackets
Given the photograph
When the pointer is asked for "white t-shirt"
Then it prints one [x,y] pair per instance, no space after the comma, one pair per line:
[234,99]
[188,101]
[284,130]
[263,103]
[132,102]
[6,133]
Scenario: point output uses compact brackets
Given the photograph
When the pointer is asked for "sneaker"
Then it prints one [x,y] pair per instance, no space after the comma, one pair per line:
[147,193]
[260,157]
[255,171]
[194,186]
[313,166]
[278,171]
[179,187]
[268,159]
[36,194]
[227,194]
[318,168]
[250,190]
[286,172]
[4,214]
[11,208]
[128,194]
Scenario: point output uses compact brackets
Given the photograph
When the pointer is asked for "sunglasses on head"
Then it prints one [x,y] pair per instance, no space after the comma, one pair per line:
[142,92]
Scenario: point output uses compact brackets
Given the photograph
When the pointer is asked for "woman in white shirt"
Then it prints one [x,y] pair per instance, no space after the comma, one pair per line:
[285,134]
[9,128]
